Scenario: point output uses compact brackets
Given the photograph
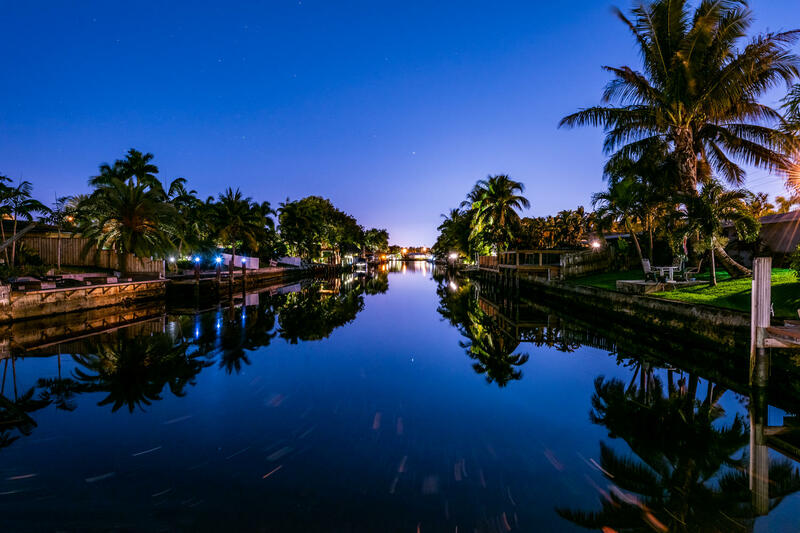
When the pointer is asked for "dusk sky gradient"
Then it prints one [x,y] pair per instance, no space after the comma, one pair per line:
[390,109]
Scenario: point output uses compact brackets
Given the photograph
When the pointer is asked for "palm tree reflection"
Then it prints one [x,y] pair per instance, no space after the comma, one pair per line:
[313,315]
[684,474]
[486,341]
[133,371]
[492,349]
[15,420]
[246,329]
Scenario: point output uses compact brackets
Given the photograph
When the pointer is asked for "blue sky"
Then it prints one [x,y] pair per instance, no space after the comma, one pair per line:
[390,109]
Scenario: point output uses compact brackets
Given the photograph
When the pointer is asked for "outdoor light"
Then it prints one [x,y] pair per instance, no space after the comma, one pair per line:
[244,260]
[454,256]
[595,244]
[218,260]
[171,259]
[197,259]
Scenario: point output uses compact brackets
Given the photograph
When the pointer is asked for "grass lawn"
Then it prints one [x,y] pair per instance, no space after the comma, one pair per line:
[729,293]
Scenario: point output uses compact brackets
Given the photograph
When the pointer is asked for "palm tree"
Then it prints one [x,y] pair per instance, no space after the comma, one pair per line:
[498,198]
[621,203]
[699,93]
[236,219]
[136,167]
[5,210]
[785,204]
[21,205]
[759,205]
[791,107]
[129,218]
[706,213]
[60,215]
[187,228]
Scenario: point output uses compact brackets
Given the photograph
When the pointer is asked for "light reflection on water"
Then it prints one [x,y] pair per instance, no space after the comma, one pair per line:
[401,401]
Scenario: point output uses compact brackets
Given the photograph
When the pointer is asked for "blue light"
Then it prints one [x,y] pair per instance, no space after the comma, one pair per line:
[197,259]
[244,260]
[218,260]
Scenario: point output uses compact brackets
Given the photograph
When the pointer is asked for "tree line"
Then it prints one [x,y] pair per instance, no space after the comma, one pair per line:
[130,211]
[679,131]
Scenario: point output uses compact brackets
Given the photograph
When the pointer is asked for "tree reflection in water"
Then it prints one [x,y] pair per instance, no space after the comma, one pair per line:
[15,420]
[133,371]
[684,474]
[486,342]
[314,313]
[246,329]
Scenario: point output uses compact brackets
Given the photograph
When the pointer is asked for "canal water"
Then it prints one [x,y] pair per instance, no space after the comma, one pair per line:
[402,401]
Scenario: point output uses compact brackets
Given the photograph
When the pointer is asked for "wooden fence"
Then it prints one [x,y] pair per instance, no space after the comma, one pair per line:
[75,253]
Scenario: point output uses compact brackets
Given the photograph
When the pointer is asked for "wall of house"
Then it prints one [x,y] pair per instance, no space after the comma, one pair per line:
[781,237]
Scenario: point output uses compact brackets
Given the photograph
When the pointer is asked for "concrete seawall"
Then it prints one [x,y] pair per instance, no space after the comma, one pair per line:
[727,328]
[18,305]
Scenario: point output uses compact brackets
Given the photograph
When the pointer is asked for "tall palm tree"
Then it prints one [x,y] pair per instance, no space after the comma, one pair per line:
[5,211]
[786,203]
[698,91]
[791,107]
[235,220]
[759,205]
[498,200]
[187,228]
[129,218]
[136,167]
[60,215]
[22,205]
[706,213]
[621,203]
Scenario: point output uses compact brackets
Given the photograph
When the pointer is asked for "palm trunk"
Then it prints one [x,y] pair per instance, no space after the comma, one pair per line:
[3,234]
[123,263]
[58,251]
[729,264]
[686,158]
[650,230]
[635,240]
[14,244]
[230,264]
[713,268]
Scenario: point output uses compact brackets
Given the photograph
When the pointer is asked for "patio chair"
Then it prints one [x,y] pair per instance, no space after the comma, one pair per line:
[649,273]
[689,272]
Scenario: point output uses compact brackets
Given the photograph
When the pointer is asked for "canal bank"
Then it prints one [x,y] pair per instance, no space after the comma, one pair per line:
[725,328]
[39,303]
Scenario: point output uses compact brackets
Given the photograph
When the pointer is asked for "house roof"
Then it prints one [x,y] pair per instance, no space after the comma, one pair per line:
[791,216]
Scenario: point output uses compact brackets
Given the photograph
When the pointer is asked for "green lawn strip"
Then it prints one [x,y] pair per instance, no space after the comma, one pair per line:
[729,293]
[735,293]
[606,280]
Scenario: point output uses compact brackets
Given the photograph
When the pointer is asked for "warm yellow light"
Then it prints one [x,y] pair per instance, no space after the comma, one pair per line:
[404,250]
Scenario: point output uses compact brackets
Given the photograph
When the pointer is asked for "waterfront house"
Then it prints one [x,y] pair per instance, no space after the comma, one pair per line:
[779,237]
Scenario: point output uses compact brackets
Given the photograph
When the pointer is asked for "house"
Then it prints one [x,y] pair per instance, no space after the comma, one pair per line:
[779,236]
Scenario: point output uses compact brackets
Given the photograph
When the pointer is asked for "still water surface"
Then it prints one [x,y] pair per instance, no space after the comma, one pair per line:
[396,402]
